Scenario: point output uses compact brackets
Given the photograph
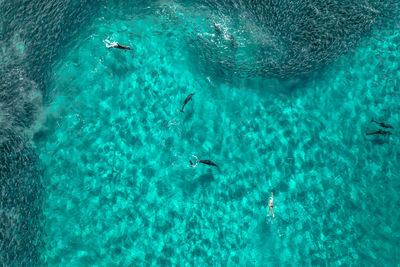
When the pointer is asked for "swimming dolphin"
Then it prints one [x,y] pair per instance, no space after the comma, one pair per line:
[233,41]
[188,98]
[116,45]
[123,47]
[206,161]
[380,132]
[382,124]
[217,28]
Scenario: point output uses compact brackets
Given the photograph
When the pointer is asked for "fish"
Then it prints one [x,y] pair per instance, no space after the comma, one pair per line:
[188,98]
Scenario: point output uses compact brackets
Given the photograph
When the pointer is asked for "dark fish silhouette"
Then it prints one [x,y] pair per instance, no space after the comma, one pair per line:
[380,132]
[207,162]
[188,98]
[382,124]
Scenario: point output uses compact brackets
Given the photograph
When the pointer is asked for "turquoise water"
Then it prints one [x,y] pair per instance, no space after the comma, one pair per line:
[115,149]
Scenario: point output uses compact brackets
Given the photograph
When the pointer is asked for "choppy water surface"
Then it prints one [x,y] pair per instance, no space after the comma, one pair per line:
[95,152]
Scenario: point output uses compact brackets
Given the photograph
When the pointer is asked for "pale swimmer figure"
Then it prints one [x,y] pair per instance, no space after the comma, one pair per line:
[116,45]
[271,205]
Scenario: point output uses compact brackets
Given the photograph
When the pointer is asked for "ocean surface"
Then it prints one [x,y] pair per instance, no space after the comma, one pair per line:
[94,151]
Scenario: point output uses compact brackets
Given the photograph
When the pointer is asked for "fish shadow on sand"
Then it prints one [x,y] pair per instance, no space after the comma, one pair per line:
[188,114]
[205,178]
[379,141]
[196,184]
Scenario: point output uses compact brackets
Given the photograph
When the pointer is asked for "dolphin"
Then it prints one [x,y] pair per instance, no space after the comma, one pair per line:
[380,132]
[206,161]
[188,98]
[123,47]
[217,28]
[382,124]
[116,45]
[233,41]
